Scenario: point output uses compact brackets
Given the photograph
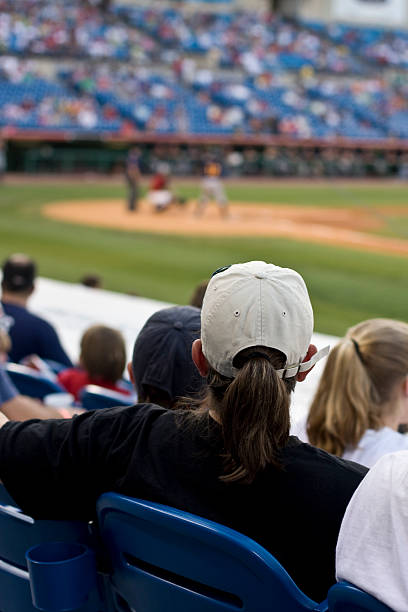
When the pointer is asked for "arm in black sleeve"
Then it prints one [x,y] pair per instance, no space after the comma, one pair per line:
[58,468]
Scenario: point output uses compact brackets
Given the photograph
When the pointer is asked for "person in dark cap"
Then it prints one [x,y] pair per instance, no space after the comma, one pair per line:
[30,335]
[162,368]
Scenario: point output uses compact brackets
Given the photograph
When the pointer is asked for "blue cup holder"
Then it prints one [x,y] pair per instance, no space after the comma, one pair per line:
[62,574]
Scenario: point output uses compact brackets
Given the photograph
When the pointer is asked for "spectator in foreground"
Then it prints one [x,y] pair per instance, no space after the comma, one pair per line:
[232,460]
[373,541]
[162,368]
[102,361]
[362,396]
[30,334]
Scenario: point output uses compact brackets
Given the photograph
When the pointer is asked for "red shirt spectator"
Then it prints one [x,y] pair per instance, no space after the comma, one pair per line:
[75,379]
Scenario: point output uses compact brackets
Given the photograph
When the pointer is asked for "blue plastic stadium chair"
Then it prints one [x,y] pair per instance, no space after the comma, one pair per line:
[55,366]
[32,383]
[18,533]
[5,497]
[94,397]
[345,597]
[166,560]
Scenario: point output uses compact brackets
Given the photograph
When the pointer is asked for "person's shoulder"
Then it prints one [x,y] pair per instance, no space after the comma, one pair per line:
[138,414]
[397,441]
[26,315]
[75,376]
[322,460]
[14,309]
[39,321]
[384,440]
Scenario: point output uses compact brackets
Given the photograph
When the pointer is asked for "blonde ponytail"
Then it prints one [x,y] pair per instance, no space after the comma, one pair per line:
[358,383]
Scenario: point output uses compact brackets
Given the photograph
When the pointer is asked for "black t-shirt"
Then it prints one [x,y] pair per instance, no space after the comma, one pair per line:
[57,469]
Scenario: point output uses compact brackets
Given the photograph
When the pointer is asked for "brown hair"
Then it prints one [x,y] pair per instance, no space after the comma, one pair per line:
[253,409]
[198,295]
[103,353]
[358,384]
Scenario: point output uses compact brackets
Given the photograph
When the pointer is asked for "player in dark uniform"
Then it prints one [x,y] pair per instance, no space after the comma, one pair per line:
[133,175]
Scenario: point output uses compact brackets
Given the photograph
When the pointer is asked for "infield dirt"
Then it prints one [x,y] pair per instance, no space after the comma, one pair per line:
[335,226]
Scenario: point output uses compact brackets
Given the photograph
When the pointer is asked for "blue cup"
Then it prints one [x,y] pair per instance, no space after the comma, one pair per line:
[62,574]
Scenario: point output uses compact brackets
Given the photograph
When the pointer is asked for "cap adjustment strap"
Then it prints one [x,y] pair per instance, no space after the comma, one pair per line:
[294,370]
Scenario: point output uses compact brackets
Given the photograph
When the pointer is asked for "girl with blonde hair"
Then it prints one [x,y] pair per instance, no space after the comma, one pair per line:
[362,397]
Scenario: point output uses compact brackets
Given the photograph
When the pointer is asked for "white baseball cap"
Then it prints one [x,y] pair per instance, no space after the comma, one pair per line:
[257,304]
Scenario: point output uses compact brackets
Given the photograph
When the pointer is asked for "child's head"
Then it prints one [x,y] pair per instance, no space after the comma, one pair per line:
[103,353]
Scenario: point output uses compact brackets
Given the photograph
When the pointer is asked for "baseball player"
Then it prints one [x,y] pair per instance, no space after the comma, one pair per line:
[160,195]
[133,175]
[212,187]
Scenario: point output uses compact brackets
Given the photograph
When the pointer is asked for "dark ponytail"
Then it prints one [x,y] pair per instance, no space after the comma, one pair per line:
[253,409]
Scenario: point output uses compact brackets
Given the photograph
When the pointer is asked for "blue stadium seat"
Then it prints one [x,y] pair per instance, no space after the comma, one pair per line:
[5,498]
[94,397]
[19,533]
[345,597]
[164,559]
[31,383]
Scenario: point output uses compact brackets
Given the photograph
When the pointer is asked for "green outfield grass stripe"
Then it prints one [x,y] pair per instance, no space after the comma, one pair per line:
[346,286]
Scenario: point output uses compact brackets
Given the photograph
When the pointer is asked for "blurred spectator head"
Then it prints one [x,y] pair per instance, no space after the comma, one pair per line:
[92,280]
[19,272]
[162,368]
[103,353]
[198,294]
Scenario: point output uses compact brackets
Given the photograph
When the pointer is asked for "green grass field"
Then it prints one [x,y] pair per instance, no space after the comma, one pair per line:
[346,286]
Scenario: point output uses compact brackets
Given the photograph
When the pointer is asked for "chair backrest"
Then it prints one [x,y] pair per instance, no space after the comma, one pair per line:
[164,559]
[94,397]
[19,533]
[345,597]
[32,383]
[5,497]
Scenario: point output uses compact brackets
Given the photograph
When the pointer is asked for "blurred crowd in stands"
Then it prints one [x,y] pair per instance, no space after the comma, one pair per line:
[172,72]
